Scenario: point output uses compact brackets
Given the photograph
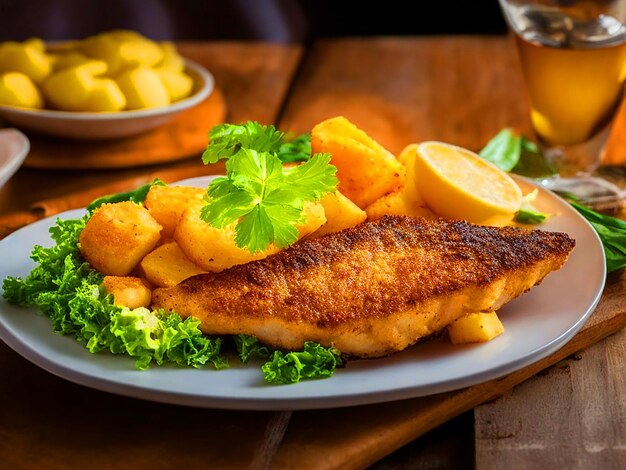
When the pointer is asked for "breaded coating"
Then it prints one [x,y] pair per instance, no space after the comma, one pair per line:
[373,289]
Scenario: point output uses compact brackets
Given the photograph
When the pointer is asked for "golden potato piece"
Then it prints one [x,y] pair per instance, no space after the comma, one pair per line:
[26,58]
[167,203]
[71,88]
[117,236]
[397,203]
[127,291]
[172,60]
[365,169]
[167,265]
[178,84]
[475,328]
[122,50]
[214,249]
[105,96]
[315,218]
[143,88]
[341,213]
[16,89]
[405,201]
[211,248]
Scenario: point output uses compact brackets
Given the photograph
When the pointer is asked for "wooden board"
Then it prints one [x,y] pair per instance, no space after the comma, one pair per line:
[184,137]
[537,424]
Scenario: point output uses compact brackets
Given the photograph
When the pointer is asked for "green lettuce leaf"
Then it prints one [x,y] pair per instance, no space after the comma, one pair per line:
[250,347]
[315,362]
[70,293]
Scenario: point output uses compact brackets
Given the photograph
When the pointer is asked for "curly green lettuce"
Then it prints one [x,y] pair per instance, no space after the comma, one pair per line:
[67,290]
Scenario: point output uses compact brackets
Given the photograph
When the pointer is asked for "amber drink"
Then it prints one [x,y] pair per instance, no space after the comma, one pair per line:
[573,57]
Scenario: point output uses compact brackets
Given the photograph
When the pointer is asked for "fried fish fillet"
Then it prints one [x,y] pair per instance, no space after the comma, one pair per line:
[373,289]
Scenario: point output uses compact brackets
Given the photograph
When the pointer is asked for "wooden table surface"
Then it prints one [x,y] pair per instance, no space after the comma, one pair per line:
[569,412]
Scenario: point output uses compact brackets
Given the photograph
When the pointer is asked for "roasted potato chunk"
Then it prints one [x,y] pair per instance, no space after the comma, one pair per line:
[315,218]
[214,249]
[365,169]
[341,213]
[475,328]
[117,236]
[211,248]
[127,291]
[167,265]
[405,201]
[167,203]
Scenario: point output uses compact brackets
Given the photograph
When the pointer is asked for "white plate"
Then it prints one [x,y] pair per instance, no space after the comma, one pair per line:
[536,324]
[14,146]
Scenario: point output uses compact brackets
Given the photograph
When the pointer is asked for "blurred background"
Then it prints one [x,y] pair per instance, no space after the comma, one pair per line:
[271,20]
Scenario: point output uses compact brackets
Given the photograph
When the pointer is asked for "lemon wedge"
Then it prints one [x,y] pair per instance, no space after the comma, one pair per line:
[456,183]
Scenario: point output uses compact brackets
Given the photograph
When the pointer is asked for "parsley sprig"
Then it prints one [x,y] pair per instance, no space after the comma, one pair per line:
[263,196]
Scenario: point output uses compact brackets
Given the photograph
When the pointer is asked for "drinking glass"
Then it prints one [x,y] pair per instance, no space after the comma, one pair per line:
[573,58]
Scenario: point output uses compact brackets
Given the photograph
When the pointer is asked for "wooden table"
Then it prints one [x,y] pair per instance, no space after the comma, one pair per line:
[461,90]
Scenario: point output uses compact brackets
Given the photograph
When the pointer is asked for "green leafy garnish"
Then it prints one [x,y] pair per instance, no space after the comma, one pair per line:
[315,362]
[529,214]
[138,195]
[225,140]
[265,198]
[67,290]
[612,233]
[516,154]
[249,347]
[296,150]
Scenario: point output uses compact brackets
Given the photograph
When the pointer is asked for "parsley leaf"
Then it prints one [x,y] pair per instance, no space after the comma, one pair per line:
[265,198]
[225,140]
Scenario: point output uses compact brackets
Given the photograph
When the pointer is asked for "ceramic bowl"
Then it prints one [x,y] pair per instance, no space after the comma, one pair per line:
[78,125]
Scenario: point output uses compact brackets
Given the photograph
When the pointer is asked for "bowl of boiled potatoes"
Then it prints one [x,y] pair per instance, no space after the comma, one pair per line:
[114,84]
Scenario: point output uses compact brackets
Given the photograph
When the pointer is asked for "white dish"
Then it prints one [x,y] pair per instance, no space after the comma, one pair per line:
[536,324]
[14,146]
[77,125]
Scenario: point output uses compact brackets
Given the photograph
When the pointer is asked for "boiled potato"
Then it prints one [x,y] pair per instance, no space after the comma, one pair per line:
[178,84]
[70,89]
[341,213]
[167,265]
[475,328]
[167,203]
[105,96]
[67,60]
[214,249]
[365,169]
[117,236]
[143,88]
[122,50]
[172,60]
[128,291]
[27,58]
[17,89]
